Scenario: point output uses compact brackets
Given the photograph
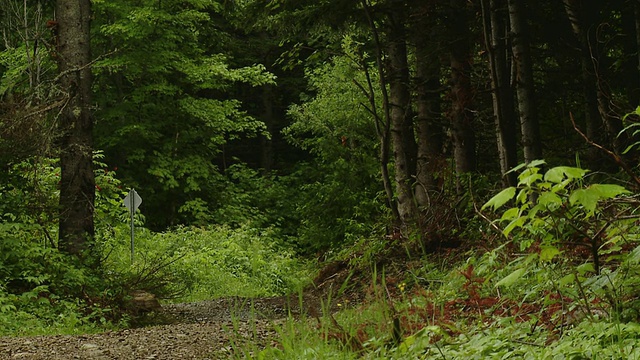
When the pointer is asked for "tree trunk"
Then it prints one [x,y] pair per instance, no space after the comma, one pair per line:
[529,124]
[602,124]
[429,131]
[402,137]
[383,123]
[637,18]
[630,65]
[494,20]
[77,184]
[461,116]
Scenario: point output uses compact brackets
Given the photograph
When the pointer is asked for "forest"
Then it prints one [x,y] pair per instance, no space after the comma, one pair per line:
[464,172]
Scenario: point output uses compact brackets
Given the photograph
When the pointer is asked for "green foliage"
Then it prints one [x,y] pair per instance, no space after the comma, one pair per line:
[14,64]
[339,196]
[165,106]
[631,130]
[566,220]
[489,306]
[255,199]
[44,290]
[554,208]
[203,263]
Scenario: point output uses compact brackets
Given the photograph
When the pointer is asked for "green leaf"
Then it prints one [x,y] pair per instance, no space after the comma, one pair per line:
[544,185]
[501,198]
[550,200]
[529,179]
[566,280]
[585,268]
[634,256]
[522,196]
[609,191]
[511,278]
[512,225]
[588,198]
[636,144]
[510,214]
[536,163]
[517,168]
[534,212]
[554,175]
[635,112]
[547,253]
[558,173]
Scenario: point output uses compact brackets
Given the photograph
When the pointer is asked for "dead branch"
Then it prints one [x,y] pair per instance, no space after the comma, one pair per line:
[618,160]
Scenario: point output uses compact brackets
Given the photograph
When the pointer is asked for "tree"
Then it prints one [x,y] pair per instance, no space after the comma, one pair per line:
[341,180]
[529,126]
[602,123]
[166,120]
[25,80]
[382,122]
[495,35]
[77,182]
[461,114]
[429,124]
[400,112]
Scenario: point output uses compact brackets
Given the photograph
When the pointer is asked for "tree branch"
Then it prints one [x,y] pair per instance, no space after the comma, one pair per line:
[618,160]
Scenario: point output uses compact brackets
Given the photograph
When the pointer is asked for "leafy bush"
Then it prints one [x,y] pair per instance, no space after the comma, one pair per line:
[44,290]
[192,263]
[559,209]
[339,190]
[558,213]
[476,309]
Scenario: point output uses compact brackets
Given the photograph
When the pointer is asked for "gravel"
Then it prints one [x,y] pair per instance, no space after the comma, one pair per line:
[214,329]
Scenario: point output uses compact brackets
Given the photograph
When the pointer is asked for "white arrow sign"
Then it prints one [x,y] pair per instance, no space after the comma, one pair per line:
[132,201]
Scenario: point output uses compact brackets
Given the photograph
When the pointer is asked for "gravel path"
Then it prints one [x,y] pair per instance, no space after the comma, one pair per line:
[214,329]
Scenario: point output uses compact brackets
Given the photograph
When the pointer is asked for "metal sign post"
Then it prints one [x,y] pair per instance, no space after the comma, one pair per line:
[132,201]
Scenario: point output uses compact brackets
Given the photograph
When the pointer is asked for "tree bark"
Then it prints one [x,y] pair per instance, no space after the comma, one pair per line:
[428,130]
[637,23]
[383,123]
[402,137]
[529,123]
[602,124]
[398,112]
[461,116]
[494,20]
[77,184]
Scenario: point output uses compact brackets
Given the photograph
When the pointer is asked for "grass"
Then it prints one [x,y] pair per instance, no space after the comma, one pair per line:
[465,311]
[183,265]
[493,305]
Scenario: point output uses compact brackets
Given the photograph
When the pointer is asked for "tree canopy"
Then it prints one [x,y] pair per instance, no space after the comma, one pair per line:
[316,125]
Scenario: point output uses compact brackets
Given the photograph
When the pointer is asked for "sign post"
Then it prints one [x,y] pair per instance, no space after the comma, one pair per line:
[132,201]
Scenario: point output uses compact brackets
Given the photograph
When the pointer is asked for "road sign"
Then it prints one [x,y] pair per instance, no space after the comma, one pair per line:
[132,201]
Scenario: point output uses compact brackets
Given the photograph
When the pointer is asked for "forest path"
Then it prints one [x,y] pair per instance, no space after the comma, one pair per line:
[213,329]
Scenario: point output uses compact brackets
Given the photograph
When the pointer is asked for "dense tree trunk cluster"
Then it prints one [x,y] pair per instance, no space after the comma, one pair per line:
[451,88]
[418,100]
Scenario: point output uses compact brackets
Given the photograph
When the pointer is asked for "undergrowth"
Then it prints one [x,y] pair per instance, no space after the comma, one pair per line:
[473,309]
[44,291]
[190,264]
[560,282]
